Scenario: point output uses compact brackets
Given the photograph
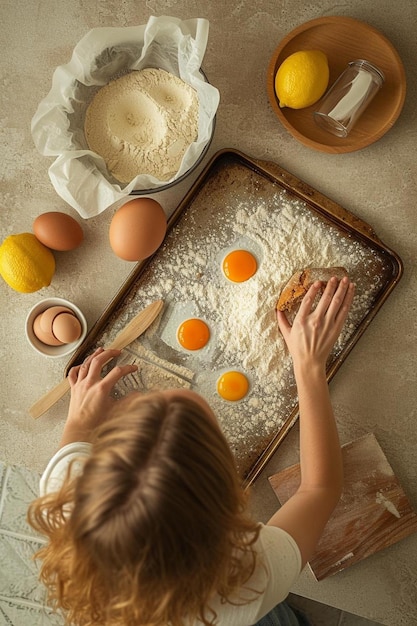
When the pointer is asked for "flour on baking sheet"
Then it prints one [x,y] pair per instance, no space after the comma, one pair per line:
[286,235]
[153,373]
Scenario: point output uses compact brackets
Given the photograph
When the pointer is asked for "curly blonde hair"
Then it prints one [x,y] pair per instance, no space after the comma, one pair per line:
[155,525]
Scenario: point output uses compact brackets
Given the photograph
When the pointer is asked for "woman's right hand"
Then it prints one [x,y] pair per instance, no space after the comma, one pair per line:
[314,331]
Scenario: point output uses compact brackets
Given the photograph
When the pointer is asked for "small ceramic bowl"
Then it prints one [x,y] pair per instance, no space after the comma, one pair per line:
[42,348]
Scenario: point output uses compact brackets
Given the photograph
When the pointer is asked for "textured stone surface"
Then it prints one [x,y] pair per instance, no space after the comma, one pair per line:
[375,388]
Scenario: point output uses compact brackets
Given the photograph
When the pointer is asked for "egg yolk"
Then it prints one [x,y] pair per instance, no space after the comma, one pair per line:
[232,386]
[239,266]
[193,334]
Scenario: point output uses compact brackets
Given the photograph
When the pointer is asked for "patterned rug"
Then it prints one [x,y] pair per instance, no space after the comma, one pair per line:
[22,596]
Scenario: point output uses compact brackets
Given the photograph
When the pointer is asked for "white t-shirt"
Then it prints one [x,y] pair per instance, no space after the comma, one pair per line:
[279,553]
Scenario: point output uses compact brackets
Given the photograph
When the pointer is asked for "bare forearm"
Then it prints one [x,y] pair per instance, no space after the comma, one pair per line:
[305,515]
[320,453]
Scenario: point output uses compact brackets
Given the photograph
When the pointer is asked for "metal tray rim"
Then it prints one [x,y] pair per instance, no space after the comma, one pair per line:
[327,207]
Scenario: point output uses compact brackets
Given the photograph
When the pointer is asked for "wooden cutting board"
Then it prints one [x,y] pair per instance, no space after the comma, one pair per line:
[373,512]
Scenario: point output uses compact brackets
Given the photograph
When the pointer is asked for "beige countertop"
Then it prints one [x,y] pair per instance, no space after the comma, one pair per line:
[374,391]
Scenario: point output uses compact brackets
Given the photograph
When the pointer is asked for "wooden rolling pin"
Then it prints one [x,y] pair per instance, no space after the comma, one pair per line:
[132,331]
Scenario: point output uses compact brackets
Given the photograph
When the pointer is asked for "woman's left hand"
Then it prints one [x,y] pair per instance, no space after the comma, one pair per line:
[90,394]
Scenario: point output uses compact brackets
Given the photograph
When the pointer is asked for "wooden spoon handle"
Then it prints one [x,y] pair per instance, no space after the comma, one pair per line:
[49,399]
[132,331]
[136,326]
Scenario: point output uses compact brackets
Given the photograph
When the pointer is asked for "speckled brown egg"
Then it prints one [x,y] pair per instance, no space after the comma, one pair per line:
[58,231]
[137,229]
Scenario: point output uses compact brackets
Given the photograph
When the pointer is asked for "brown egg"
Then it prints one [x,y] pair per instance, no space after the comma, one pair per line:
[49,315]
[58,231]
[66,327]
[137,229]
[45,336]
[45,325]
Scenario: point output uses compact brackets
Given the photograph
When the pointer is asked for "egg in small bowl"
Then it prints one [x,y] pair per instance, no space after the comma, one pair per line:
[55,327]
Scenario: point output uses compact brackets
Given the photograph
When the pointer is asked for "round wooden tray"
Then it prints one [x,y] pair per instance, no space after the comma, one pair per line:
[343,39]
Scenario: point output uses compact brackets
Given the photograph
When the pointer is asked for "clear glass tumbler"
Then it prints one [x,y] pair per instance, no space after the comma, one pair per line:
[348,97]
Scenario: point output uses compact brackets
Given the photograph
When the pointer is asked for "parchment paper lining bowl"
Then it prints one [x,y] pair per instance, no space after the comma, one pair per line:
[76,124]
[78,174]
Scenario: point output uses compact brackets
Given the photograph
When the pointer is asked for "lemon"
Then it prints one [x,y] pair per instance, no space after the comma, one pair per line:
[302,79]
[25,263]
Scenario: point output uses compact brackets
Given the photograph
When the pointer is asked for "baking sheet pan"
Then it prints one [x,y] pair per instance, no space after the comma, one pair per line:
[239,202]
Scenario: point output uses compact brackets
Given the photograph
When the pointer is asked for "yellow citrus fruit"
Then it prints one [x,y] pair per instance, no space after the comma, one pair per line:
[302,79]
[25,263]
